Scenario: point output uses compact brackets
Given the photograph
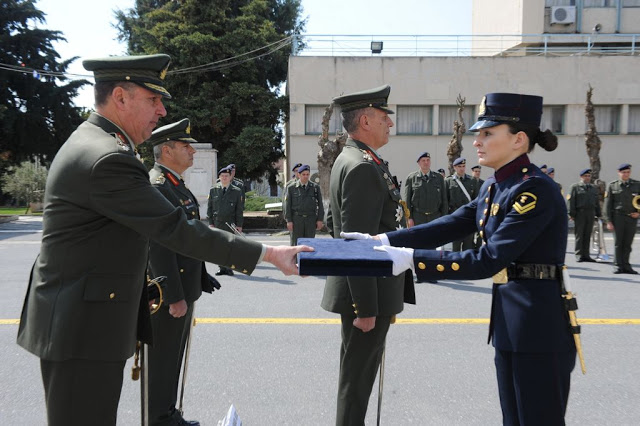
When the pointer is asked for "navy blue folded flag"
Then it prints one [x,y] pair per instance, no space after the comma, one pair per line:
[338,257]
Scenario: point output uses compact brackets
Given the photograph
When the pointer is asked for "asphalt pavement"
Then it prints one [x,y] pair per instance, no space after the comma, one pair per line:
[264,344]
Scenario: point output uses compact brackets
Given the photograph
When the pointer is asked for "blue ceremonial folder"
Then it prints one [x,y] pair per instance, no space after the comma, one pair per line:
[338,257]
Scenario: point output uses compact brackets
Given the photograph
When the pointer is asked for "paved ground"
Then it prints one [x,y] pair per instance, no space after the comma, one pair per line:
[264,344]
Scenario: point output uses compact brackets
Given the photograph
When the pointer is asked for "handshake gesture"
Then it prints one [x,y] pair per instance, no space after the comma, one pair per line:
[401,257]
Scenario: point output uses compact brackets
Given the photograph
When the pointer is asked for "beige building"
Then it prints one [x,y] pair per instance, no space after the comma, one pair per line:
[559,67]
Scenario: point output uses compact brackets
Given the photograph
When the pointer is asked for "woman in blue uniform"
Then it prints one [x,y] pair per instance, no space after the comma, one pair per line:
[522,219]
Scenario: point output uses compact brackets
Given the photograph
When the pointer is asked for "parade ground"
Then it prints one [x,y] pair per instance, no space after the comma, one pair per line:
[264,344]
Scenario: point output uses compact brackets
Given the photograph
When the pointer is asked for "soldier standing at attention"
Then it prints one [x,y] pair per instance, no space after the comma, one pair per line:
[187,278]
[224,208]
[551,172]
[238,183]
[291,181]
[584,207]
[425,193]
[364,198]
[622,216]
[87,302]
[442,173]
[305,212]
[461,189]
[475,172]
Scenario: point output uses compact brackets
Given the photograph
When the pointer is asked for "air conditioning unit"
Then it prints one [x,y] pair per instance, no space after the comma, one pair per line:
[563,14]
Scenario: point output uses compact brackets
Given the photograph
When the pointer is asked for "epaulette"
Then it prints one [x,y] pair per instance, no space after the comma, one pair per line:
[122,143]
[173,179]
[160,179]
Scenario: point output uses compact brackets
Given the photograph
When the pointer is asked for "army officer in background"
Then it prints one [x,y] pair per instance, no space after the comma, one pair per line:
[622,216]
[225,208]
[425,193]
[461,189]
[304,210]
[584,207]
[186,279]
[86,304]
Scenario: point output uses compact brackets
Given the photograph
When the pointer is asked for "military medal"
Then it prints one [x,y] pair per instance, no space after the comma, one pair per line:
[121,142]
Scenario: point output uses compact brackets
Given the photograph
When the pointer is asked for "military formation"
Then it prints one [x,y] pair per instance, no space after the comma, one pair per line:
[84,317]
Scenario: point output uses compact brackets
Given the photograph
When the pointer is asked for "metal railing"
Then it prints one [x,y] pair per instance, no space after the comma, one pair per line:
[467,45]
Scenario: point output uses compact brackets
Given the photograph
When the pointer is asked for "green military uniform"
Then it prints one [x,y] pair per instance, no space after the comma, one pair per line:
[224,208]
[426,196]
[477,239]
[363,199]
[584,207]
[457,199]
[290,182]
[87,301]
[617,207]
[304,208]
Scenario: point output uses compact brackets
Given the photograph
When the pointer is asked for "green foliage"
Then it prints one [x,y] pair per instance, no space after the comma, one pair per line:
[25,182]
[254,203]
[37,112]
[228,102]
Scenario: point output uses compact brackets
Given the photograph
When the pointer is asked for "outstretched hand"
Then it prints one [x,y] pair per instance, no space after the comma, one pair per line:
[284,257]
[358,236]
[401,257]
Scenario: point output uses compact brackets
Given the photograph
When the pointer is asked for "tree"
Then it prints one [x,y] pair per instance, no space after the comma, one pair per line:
[222,76]
[329,151]
[593,145]
[25,182]
[36,109]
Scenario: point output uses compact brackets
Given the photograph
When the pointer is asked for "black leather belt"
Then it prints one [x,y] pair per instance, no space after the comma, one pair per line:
[532,271]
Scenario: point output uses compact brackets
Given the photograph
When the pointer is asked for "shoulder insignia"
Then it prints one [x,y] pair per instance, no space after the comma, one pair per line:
[366,156]
[160,179]
[122,143]
[525,203]
[173,179]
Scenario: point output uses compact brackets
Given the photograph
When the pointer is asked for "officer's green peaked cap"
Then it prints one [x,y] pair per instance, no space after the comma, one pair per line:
[147,71]
[375,98]
[178,131]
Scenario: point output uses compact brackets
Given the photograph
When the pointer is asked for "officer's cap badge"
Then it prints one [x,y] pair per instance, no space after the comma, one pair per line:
[525,203]
[483,107]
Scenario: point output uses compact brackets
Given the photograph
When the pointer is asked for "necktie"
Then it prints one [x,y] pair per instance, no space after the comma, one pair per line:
[224,191]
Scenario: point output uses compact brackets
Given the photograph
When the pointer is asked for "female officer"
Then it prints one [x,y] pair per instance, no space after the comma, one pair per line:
[522,219]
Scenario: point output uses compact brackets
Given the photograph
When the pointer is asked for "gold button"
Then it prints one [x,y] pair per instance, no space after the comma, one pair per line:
[489,189]
[455,266]
[354,305]
[233,266]
[440,268]
[127,78]
[486,200]
[485,211]
[355,312]
[481,222]
[112,296]
[193,213]
[481,234]
[244,271]
[525,170]
[422,266]
[181,270]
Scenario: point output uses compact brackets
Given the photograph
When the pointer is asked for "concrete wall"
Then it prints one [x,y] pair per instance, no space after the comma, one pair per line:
[438,81]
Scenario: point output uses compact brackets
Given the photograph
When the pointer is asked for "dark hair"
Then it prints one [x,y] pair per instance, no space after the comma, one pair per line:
[103,89]
[547,140]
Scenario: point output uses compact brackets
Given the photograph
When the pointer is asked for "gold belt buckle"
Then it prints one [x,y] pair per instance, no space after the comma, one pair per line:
[501,277]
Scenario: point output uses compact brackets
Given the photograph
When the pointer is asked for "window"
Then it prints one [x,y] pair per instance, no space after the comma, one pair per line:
[630,3]
[414,120]
[599,3]
[553,118]
[634,118]
[449,113]
[551,3]
[607,119]
[313,119]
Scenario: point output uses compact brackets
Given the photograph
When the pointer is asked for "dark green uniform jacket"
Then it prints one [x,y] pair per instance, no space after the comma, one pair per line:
[85,294]
[583,200]
[365,199]
[186,277]
[619,197]
[426,196]
[225,206]
[304,202]
[456,196]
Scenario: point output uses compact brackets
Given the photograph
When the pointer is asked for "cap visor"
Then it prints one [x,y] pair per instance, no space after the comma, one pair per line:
[483,124]
[387,110]
[155,89]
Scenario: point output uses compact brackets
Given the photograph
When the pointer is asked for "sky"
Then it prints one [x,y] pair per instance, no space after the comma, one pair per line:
[90,33]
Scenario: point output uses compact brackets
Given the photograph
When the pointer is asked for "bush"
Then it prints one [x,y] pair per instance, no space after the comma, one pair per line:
[25,182]
[254,203]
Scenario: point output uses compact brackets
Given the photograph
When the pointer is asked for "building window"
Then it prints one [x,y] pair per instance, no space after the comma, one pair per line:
[414,120]
[630,3]
[599,3]
[313,119]
[607,119]
[634,118]
[553,118]
[551,3]
[449,113]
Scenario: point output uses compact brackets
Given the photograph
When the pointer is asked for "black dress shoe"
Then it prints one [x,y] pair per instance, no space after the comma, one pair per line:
[588,259]
[184,422]
[618,271]
[220,272]
[580,259]
[631,271]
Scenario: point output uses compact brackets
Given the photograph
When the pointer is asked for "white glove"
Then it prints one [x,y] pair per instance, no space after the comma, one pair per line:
[401,257]
[355,236]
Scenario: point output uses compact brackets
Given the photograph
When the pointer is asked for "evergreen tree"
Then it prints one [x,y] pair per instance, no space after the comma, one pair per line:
[222,77]
[37,113]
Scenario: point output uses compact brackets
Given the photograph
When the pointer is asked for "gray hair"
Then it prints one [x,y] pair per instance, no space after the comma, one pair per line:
[157,149]
[103,89]
[350,119]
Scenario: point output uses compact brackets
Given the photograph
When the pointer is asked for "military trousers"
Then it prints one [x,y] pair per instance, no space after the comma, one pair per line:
[534,387]
[165,360]
[464,244]
[360,356]
[583,229]
[304,226]
[420,218]
[80,392]
[624,228]
[222,225]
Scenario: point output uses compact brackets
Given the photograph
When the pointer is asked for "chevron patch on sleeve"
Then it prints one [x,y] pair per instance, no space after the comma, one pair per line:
[525,202]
